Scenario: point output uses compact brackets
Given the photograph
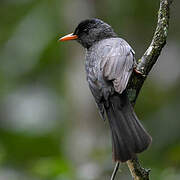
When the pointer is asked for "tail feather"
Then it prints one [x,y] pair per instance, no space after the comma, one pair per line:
[128,135]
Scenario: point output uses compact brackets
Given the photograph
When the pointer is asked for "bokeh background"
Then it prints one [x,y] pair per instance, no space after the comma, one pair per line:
[49,125]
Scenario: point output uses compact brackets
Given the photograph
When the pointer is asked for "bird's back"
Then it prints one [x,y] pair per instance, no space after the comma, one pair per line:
[107,60]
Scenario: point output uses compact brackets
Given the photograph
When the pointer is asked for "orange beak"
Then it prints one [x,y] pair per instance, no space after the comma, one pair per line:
[68,37]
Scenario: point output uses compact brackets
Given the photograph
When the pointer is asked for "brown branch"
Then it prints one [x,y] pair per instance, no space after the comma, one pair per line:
[144,65]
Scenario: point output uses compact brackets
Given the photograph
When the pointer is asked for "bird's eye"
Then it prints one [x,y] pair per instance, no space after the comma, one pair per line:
[85,30]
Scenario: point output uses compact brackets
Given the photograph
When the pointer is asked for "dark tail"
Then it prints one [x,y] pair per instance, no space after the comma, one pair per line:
[128,135]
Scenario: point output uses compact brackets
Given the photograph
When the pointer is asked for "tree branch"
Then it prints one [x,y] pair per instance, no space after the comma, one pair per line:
[146,62]
[144,65]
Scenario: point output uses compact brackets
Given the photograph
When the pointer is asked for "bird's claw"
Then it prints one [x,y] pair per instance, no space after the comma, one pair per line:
[139,72]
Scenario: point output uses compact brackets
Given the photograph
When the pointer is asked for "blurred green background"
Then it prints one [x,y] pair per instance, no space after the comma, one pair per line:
[49,125]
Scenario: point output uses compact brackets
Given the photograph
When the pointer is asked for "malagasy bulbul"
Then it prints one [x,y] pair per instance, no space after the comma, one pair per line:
[109,64]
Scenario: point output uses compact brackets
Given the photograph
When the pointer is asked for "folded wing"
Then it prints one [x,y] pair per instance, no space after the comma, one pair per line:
[118,65]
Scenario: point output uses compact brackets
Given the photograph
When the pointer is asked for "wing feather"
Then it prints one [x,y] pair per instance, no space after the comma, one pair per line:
[118,65]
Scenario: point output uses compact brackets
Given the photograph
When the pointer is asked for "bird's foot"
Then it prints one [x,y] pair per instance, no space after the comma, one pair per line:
[139,72]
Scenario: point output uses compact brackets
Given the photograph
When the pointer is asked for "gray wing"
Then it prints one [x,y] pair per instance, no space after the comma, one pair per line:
[118,65]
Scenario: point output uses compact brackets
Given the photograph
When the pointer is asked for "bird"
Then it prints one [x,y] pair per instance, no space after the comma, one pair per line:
[109,63]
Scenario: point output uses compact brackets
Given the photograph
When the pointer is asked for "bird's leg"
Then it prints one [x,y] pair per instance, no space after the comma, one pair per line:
[115,171]
[138,72]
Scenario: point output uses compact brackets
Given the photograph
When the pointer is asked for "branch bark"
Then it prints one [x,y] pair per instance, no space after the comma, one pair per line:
[144,65]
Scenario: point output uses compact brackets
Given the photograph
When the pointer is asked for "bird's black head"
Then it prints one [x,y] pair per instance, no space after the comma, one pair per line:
[91,31]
